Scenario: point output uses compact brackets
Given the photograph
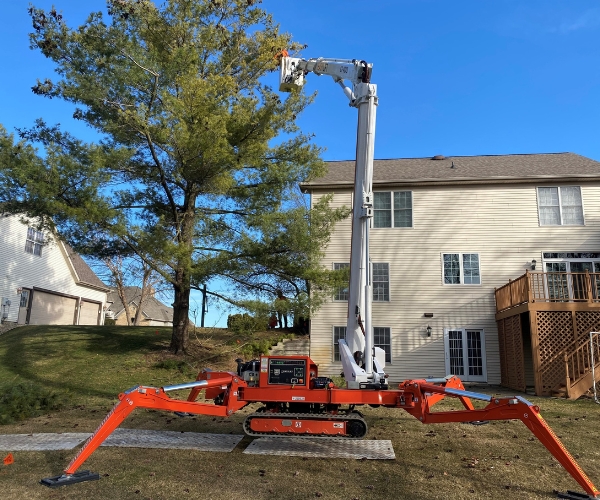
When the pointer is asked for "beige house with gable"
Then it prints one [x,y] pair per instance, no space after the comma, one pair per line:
[446,233]
[154,312]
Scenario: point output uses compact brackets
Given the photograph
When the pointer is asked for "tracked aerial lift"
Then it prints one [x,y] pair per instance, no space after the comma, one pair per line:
[295,400]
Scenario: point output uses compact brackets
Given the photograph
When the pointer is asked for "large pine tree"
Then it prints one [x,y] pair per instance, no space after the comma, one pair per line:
[197,156]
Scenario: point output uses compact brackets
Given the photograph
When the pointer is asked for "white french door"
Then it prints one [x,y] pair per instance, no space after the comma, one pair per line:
[465,354]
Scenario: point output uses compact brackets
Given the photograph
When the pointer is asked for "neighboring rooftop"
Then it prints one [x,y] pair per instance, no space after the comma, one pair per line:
[466,169]
[153,308]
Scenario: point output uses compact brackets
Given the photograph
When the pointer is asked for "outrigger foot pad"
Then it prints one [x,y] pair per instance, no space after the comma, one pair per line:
[65,479]
[573,495]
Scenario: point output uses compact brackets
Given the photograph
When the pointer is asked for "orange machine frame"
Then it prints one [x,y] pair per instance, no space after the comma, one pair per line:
[415,396]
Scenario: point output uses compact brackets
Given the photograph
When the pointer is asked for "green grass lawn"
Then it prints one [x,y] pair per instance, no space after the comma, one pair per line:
[89,366]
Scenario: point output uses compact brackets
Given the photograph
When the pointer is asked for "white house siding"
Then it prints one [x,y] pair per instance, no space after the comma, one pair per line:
[50,272]
[499,222]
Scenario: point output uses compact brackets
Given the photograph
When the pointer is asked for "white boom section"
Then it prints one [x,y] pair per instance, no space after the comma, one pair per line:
[358,347]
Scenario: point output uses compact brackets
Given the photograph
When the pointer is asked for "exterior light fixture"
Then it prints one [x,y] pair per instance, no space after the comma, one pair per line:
[533,263]
[428,331]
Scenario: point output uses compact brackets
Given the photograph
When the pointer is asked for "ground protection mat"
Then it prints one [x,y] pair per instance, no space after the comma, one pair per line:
[126,438]
[323,448]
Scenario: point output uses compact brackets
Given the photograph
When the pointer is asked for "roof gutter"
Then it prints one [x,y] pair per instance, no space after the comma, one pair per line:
[304,186]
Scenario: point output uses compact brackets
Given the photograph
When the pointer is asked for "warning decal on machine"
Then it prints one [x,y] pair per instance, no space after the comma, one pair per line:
[264,365]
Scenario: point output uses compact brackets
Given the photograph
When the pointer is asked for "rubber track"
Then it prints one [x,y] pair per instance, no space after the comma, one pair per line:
[303,416]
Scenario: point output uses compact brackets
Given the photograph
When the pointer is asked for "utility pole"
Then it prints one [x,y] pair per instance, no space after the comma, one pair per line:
[204,308]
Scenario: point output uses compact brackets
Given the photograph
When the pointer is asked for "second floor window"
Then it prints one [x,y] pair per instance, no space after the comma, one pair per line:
[35,242]
[461,269]
[342,292]
[560,206]
[392,209]
[381,282]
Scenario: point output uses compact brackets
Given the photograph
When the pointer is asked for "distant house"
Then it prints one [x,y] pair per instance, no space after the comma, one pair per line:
[486,267]
[43,281]
[154,312]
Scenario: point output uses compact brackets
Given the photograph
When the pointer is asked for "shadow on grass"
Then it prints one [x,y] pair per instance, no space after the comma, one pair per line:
[27,352]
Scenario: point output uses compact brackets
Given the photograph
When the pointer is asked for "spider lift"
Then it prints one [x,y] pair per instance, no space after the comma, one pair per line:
[295,400]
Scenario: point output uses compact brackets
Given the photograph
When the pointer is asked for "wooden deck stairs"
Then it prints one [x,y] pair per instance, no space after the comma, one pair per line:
[578,368]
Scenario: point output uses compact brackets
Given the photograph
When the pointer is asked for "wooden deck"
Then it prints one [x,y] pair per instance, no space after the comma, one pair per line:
[539,291]
[561,311]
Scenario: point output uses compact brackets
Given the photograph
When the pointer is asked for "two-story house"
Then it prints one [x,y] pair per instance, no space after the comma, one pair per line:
[43,281]
[446,233]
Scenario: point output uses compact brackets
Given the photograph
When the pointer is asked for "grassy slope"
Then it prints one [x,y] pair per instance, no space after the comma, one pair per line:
[95,364]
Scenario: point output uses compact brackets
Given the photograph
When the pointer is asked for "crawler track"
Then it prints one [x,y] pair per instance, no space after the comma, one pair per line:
[353,418]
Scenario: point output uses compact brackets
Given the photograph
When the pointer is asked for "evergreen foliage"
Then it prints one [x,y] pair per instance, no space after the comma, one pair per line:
[25,400]
[198,163]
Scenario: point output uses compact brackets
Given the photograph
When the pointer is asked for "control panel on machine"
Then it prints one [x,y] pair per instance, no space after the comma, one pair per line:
[286,371]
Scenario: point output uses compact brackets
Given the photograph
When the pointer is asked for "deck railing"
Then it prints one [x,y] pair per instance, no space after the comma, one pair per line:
[549,287]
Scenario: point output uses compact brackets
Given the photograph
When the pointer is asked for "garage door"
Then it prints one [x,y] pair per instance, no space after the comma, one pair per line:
[50,309]
[88,315]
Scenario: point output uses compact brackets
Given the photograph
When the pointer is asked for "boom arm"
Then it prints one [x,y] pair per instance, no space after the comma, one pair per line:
[358,348]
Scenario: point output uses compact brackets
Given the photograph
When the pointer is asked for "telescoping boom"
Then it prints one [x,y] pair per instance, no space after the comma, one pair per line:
[363,363]
[295,400]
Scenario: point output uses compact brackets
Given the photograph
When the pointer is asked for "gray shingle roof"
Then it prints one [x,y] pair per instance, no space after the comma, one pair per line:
[153,308]
[469,169]
[84,272]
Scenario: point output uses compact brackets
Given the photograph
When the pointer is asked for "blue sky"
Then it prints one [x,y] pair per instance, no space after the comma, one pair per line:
[454,78]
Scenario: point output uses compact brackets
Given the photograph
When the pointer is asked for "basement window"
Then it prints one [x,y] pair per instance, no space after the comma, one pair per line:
[339,332]
[382,338]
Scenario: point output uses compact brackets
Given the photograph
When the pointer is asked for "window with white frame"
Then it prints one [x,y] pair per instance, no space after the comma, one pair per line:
[382,338]
[560,206]
[381,282]
[339,332]
[342,292]
[34,242]
[564,280]
[392,209]
[461,269]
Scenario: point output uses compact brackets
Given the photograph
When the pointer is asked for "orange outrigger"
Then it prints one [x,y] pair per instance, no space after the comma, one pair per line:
[297,402]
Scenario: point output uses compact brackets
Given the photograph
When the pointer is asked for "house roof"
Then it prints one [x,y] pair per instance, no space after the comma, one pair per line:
[84,273]
[153,308]
[466,169]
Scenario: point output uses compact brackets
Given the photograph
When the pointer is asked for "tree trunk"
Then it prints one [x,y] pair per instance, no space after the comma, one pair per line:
[181,321]
[145,292]
[183,277]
